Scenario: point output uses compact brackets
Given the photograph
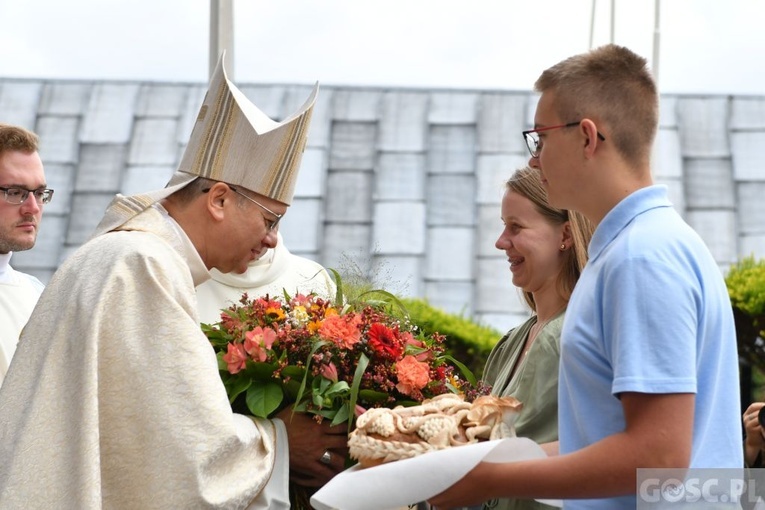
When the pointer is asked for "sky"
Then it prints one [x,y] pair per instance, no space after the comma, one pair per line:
[705,46]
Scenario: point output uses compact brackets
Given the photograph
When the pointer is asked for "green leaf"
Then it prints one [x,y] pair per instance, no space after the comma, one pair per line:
[292,376]
[320,385]
[328,413]
[360,369]
[372,396]
[464,369]
[237,385]
[218,338]
[384,298]
[293,372]
[291,389]
[260,371]
[339,286]
[452,388]
[342,414]
[301,391]
[222,365]
[337,389]
[263,399]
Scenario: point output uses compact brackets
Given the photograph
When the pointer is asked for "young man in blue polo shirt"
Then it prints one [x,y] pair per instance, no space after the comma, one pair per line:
[649,366]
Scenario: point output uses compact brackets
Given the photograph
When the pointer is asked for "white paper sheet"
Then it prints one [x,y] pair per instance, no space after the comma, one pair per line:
[409,481]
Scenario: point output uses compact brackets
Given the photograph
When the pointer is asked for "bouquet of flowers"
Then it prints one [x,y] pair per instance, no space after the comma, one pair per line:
[331,359]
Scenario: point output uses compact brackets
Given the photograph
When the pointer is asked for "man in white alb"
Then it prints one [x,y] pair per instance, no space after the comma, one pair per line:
[23,193]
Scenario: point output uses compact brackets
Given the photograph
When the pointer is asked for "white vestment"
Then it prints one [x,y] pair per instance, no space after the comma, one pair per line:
[114,399]
[19,293]
[278,270]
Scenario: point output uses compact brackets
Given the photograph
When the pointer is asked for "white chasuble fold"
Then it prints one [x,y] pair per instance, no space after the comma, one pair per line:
[114,398]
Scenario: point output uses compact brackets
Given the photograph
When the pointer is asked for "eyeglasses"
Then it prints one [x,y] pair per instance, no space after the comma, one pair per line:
[16,195]
[532,138]
[270,224]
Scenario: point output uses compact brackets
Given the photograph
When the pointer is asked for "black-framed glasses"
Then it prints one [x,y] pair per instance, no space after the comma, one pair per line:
[532,138]
[17,195]
[270,224]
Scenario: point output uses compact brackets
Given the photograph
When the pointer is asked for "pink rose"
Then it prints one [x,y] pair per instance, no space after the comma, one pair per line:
[235,357]
[409,339]
[301,300]
[258,341]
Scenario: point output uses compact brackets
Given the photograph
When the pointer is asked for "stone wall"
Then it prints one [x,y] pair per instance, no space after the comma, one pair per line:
[403,184]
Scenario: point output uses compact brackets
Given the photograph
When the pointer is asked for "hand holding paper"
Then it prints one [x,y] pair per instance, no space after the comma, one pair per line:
[410,481]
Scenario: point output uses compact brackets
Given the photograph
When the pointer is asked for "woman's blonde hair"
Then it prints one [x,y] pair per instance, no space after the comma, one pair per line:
[527,182]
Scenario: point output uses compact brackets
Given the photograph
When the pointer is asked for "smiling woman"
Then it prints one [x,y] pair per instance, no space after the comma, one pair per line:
[547,250]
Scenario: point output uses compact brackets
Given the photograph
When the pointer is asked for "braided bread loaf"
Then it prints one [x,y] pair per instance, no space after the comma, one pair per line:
[384,435]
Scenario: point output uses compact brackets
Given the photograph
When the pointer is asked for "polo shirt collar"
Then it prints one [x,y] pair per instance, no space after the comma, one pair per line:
[622,215]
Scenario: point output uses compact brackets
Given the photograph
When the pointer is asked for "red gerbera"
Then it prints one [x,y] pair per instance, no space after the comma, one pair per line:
[384,341]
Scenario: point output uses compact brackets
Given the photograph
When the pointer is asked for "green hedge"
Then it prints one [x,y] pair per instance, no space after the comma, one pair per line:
[468,341]
[746,287]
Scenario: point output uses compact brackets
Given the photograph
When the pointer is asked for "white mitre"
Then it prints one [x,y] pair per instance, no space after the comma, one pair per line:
[232,141]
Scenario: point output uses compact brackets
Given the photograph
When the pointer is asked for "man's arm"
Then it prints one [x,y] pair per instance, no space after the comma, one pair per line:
[658,434]
[551,449]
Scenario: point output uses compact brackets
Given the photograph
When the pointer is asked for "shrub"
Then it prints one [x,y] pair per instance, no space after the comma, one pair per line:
[746,287]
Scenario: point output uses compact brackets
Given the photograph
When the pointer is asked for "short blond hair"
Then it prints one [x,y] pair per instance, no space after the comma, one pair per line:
[16,138]
[611,85]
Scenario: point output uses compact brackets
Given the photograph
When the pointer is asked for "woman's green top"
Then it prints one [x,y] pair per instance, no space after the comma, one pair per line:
[535,384]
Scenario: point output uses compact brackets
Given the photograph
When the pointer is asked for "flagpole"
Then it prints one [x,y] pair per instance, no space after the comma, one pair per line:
[613,20]
[222,35]
[656,150]
[656,40]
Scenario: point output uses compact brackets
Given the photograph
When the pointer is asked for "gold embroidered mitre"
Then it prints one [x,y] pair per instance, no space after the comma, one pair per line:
[234,142]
